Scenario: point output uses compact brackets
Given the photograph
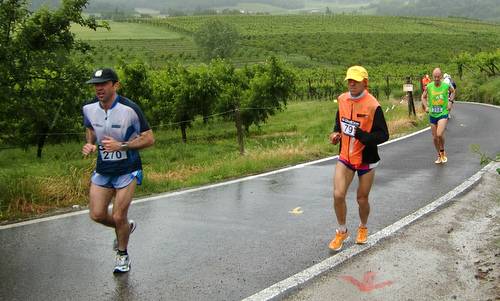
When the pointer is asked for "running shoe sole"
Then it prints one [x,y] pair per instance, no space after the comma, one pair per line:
[361,242]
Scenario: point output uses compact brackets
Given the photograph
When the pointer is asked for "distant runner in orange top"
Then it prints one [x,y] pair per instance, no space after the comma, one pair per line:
[359,127]
[425,80]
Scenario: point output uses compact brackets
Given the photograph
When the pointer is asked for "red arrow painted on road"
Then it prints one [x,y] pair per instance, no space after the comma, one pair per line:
[368,282]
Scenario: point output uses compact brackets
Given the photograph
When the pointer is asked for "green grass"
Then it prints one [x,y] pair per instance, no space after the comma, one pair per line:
[123,31]
[60,179]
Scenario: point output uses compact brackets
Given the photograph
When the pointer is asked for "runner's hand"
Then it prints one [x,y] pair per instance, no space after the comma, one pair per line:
[88,148]
[335,138]
[110,144]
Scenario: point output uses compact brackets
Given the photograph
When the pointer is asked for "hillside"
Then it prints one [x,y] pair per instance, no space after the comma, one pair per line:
[306,40]
[476,9]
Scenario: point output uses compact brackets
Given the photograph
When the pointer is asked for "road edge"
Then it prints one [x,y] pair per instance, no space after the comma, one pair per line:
[287,286]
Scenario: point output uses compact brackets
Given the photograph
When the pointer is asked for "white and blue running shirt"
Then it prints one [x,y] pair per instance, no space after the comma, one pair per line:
[123,121]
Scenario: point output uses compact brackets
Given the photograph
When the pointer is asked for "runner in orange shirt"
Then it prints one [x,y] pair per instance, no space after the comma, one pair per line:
[359,127]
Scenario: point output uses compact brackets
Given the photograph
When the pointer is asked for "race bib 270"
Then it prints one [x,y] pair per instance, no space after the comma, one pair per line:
[112,156]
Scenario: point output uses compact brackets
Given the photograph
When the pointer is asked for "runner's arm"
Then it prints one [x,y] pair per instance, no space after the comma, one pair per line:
[336,125]
[424,100]
[379,132]
[452,94]
[335,134]
[90,138]
[145,139]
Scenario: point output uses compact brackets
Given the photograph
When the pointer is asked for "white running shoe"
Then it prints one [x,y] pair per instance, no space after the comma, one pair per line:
[133,225]
[122,264]
[444,159]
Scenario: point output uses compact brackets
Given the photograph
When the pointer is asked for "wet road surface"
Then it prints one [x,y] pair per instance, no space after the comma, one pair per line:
[231,241]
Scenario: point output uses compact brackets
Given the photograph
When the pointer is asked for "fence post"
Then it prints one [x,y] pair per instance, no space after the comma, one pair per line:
[239,129]
[409,95]
[387,87]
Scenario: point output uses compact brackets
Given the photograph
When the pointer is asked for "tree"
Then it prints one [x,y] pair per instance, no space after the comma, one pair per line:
[216,39]
[136,84]
[179,94]
[487,63]
[163,94]
[184,104]
[232,85]
[41,80]
[252,94]
[270,86]
[205,90]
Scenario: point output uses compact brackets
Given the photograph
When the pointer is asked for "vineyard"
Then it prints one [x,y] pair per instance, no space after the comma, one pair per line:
[410,45]
[154,51]
[251,25]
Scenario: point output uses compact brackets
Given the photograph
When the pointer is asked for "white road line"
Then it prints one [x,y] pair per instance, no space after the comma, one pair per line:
[283,288]
[480,103]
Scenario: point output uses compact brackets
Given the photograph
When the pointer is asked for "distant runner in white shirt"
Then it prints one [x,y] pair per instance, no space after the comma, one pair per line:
[448,80]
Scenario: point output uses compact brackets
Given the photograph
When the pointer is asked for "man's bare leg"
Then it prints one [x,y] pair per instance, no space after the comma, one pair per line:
[121,205]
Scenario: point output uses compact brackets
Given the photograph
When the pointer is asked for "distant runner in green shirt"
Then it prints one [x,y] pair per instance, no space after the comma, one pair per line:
[437,99]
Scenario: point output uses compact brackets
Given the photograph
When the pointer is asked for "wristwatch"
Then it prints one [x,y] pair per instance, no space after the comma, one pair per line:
[124,146]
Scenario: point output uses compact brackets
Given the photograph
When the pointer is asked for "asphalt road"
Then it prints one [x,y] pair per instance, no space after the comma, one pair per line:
[448,254]
[231,241]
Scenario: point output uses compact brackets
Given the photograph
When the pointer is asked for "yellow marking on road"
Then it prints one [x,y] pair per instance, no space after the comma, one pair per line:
[296,211]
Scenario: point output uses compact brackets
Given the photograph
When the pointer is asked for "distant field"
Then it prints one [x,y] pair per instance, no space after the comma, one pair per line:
[310,6]
[304,40]
[256,7]
[334,7]
[250,25]
[120,30]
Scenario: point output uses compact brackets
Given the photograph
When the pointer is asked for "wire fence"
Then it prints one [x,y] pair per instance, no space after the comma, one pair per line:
[174,125]
[326,86]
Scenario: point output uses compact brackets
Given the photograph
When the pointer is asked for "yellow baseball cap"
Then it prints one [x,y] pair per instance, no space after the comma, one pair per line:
[356,73]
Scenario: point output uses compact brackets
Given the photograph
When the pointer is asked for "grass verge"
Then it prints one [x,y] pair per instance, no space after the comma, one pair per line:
[31,187]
